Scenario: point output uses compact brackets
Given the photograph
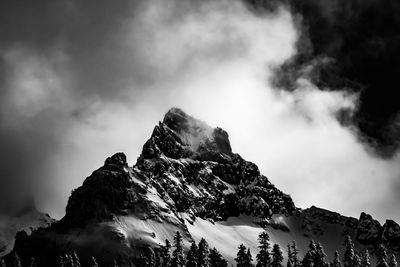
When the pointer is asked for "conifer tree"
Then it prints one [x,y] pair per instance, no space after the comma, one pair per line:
[290,258]
[2,263]
[202,254]
[191,258]
[249,257]
[357,261]
[166,254]
[115,264]
[216,259]
[68,261]
[61,261]
[242,259]
[277,256]
[319,257]
[381,257]
[349,253]
[336,260]
[178,259]
[308,259]
[365,260]
[75,259]
[295,253]
[93,262]
[263,257]
[392,261]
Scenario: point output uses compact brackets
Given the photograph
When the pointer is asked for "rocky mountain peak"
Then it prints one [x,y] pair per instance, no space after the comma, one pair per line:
[180,135]
[118,159]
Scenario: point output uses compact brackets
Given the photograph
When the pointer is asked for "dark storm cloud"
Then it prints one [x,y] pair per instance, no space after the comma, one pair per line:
[353,46]
[82,29]
[360,41]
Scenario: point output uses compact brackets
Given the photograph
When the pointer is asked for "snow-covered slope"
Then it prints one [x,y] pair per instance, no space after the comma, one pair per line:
[187,179]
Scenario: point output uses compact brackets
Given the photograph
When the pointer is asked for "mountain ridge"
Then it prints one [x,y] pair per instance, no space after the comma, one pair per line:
[187,179]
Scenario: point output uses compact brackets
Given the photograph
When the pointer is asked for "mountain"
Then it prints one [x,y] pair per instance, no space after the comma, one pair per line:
[187,179]
[27,219]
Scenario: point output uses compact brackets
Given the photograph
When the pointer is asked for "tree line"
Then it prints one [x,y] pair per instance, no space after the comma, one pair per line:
[314,257]
[201,255]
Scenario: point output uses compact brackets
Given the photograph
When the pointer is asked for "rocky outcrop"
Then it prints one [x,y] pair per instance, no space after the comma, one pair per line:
[368,230]
[391,234]
[109,191]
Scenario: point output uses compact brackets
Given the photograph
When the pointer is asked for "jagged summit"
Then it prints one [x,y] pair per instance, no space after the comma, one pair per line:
[180,135]
[118,159]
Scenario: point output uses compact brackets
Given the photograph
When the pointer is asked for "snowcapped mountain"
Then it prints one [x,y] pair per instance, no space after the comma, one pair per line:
[187,179]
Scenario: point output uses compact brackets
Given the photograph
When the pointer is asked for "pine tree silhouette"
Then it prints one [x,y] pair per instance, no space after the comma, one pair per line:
[178,259]
[191,258]
[75,259]
[381,257]
[242,259]
[336,260]
[277,256]
[263,257]
[290,257]
[216,259]
[93,262]
[309,257]
[349,253]
[365,260]
[202,254]
[166,254]
[68,261]
[61,261]
[319,257]
[295,253]
[392,261]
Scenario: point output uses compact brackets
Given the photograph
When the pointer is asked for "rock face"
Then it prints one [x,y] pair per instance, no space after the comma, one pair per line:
[107,192]
[369,231]
[391,234]
[186,175]
[192,166]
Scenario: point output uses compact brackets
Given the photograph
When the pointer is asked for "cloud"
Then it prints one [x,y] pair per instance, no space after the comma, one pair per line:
[102,86]
[360,54]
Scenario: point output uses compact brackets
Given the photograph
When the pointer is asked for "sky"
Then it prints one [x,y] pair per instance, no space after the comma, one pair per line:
[81,80]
